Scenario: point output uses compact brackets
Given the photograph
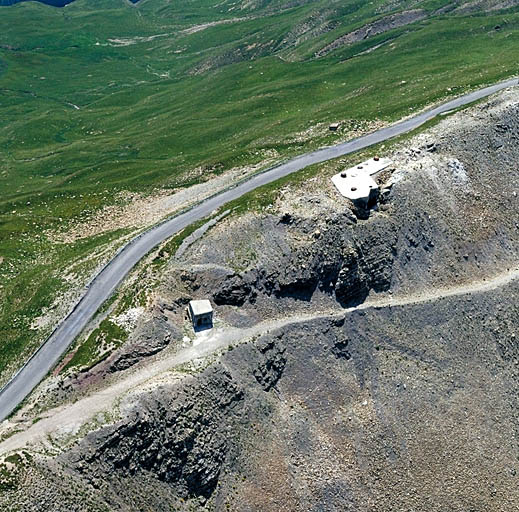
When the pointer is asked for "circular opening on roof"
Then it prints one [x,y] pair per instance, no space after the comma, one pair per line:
[359,167]
[343,175]
[376,159]
[353,189]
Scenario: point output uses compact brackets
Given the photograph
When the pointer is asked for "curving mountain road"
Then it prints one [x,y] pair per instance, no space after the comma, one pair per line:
[105,283]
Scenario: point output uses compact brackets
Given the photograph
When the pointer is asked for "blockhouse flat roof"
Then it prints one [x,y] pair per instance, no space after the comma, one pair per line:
[200,307]
[356,182]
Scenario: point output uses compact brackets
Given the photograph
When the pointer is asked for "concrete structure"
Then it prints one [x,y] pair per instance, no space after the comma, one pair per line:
[334,127]
[201,313]
[357,183]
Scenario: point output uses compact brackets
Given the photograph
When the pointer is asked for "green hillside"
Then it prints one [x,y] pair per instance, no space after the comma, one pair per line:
[104,96]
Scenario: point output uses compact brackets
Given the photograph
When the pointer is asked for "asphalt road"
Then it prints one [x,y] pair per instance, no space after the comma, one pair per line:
[105,283]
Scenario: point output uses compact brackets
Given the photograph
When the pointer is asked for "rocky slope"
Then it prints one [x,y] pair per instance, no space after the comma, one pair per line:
[448,214]
[404,407]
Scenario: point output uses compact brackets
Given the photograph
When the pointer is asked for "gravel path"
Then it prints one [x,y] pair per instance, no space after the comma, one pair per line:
[66,420]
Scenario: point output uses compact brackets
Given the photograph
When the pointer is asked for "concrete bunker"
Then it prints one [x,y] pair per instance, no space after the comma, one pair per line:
[201,314]
[357,183]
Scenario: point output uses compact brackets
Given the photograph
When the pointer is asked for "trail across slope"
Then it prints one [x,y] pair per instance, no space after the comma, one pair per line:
[105,283]
[68,419]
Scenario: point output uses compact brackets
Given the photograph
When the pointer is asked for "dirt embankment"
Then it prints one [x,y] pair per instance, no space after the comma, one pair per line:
[137,211]
[485,6]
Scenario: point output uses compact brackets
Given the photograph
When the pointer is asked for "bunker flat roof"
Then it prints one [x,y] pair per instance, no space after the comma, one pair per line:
[200,307]
[355,187]
[356,182]
[371,166]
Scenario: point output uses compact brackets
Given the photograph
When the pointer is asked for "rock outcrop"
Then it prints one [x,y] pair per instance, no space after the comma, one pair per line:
[447,213]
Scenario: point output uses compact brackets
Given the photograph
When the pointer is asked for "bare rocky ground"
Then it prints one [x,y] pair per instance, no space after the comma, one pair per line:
[380,26]
[410,406]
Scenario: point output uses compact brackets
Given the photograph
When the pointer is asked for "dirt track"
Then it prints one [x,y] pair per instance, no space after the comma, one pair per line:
[65,421]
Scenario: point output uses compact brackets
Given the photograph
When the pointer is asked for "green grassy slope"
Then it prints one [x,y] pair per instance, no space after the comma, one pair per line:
[103,96]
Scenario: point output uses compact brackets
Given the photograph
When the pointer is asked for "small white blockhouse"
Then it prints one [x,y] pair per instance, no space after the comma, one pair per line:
[357,183]
[201,313]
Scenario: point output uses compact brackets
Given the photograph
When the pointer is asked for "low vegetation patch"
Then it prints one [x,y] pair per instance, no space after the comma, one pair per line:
[98,345]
